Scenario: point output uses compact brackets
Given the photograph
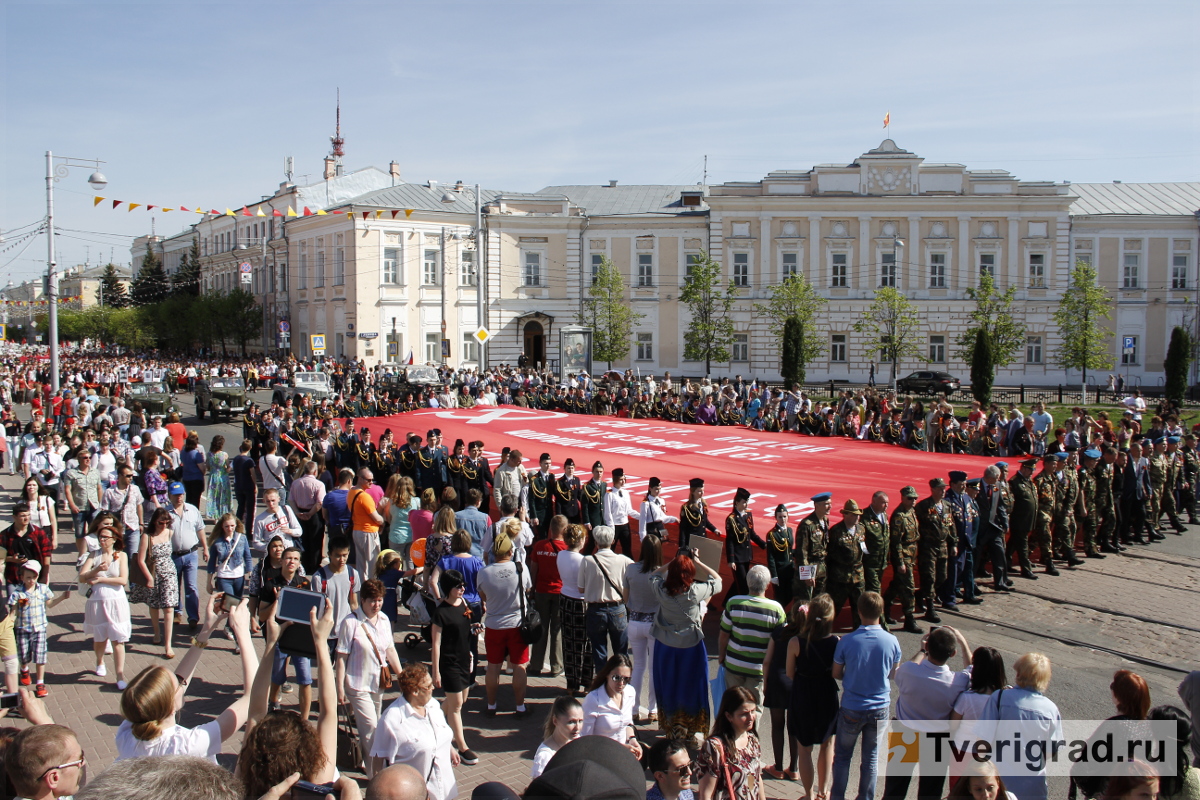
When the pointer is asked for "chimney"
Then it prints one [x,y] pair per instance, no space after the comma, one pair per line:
[611,184]
[458,187]
[394,171]
[330,167]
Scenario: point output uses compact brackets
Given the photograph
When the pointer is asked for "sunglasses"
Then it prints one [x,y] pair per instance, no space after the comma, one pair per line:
[683,769]
[620,678]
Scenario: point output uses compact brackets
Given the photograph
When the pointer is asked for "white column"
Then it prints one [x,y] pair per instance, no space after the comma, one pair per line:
[1014,253]
[866,265]
[963,273]
[815,267]
[766,275]
[913,273]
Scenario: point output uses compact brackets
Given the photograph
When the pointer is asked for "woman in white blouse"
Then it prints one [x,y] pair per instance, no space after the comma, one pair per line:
[654,516]
[365,644]
[577,647]
[608,707]
[414,731]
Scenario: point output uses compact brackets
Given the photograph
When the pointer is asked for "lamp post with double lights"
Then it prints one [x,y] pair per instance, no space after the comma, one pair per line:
[58,167]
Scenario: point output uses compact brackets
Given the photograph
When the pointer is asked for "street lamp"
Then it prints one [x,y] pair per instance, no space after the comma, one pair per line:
[58,167]
[448,198]
[242,244]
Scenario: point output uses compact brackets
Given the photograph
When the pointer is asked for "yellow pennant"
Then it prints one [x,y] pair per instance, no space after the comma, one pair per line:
[96,201]
[321,213]
[229,213]
[165,210]
[132,206]
[291,211]
[260,212]
[408,212]
[198,210]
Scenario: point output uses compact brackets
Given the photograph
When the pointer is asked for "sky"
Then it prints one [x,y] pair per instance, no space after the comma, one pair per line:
[201,103]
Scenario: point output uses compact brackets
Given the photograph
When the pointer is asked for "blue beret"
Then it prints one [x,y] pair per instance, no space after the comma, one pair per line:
[816,498]
[1092,453]
[1062,455]
[1002,464]
[1174,439]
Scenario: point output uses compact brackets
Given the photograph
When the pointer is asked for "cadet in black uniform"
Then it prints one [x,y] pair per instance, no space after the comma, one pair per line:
[693,515]
[739,534]
[566,494]
[591,497]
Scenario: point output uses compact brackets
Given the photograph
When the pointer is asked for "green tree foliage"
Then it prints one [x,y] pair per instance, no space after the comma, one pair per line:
[892,324]
[792,360]
[1179,359]
[241,317]
[795,298]
[983,367]
[1083,340]
[186,280]
[150,285]
[710,330]
[608,313]
[112,292]
[993,314]
[128,327]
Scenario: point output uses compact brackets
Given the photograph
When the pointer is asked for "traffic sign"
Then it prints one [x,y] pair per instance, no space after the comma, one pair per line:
[445,348]
[482,335]
[368,335]
[245,267]
[393,349]
[316,343]
[1128,343]
[284,326]
[247,278]
[3,331]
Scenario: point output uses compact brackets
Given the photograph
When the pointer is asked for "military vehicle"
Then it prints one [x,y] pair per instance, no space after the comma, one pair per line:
[220,396]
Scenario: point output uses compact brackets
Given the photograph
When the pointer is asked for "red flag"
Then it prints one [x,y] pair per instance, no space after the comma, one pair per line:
[307,213]
[395,211]
[302,448]
[214,212]
[366,214]
[117,203]
[887,119]
[277,213]
[148,208]
[181,208]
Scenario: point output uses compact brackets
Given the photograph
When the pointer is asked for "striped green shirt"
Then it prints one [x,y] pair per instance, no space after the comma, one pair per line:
[749,621]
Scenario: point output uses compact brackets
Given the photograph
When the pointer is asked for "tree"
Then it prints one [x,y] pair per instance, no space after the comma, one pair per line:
[795,298]
[242,317]
[112,292]
[1083,342]
[983,367]
[710,330]
[993,315]
[1179,357]
[186,280]
[606,311]
[792,360]
[150,285]
[894,326]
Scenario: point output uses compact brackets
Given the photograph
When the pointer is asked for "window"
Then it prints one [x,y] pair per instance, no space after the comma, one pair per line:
[339,266]
[987,264]
[791,265]
[533,269]
[1132,267]
[467,274]
[645,269]
[887,274]
[271,279]
[692,260]
[837,347]
[741,269]
[839,271]
[645,347]
[470,348]
[319,280]
[937,349]
[741,347]
[1033,349]
[429,271]
[391,265]
[1037,271]
[937,270]
[1129,353]
[302,273]
[597,260]
[433,347]
[283,277]
[1083,258]
[1179,271]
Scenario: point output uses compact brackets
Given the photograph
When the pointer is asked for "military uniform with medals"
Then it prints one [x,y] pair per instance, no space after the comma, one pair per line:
[844,562]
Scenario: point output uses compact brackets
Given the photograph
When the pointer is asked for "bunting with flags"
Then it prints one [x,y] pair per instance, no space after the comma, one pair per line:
[258,211]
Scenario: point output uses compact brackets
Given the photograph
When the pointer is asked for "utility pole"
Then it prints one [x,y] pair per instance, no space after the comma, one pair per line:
[442,280]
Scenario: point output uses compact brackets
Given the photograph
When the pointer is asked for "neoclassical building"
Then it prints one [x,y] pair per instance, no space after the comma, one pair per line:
[402,260]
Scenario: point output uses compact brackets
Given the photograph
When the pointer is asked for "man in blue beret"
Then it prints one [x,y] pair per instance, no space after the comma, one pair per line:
[1170,503]
[1157,459]
[1190,461]
[1088,508]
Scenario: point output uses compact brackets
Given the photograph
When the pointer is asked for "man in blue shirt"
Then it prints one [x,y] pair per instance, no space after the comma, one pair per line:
[334,508]
[864,662]
[474,521]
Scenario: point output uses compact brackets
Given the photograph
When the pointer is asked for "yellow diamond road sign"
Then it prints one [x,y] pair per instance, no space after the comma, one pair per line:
[482,335]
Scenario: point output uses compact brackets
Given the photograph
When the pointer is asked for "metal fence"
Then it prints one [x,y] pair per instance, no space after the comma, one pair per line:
[1021,395]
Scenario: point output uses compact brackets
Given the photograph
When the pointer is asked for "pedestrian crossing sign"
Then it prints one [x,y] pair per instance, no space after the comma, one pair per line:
[317,343]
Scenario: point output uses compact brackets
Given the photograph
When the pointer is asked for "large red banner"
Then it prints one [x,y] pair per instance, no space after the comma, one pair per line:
[776,468]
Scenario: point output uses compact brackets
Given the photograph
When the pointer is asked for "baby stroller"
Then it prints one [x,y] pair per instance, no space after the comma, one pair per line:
[420,605]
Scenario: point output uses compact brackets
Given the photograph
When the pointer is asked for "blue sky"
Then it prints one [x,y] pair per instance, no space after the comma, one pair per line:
[201,103]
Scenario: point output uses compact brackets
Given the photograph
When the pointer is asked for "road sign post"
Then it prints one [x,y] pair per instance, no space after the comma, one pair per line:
[316,343]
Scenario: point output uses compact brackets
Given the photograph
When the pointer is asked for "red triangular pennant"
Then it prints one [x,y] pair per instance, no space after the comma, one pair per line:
[246,212]
[277,213]
[307,213]
[149,208]
[395,211]
[214,212]
[181,208]
[366,214]
[117,203]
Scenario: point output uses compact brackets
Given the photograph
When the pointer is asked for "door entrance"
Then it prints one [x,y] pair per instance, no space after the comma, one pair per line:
[535,343]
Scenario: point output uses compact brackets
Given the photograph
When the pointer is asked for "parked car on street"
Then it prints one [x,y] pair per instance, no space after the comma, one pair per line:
[417,378]
[220,396]
[928,382]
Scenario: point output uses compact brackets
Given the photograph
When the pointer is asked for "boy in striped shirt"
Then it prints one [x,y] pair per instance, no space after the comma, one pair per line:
[746,626]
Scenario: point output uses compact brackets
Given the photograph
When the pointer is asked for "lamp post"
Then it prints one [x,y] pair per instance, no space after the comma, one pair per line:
[241,246]
[58,167]
[449,198]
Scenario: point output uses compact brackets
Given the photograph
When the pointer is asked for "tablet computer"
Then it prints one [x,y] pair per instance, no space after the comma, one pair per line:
[293,605]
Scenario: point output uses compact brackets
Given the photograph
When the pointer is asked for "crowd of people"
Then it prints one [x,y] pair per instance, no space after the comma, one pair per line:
[510,571]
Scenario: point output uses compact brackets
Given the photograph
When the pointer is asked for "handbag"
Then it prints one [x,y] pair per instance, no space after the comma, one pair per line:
[531,621]
[349,747]
[385,672]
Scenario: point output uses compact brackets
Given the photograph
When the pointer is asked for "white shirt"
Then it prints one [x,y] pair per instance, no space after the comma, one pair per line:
[617,508]
[115,501]
[39,459]
[405,737]
[362,668]
[203,741]
[157,436]
[568,570]
[602,717]
[928,691]
[272,468]
[522,541]
[654,509]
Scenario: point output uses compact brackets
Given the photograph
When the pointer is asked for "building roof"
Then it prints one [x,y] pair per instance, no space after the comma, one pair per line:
[604,200]
[1171,199]
[421,197]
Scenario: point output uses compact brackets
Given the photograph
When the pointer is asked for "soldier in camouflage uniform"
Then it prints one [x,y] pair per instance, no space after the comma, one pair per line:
[811,536]
[936,546]
[1064,519]
[1049,493]
[1174,478]
[1158,480]
[844,561]
[1190,473]
[1086,507]
[904,533]
[1106,506]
